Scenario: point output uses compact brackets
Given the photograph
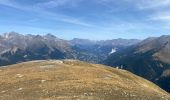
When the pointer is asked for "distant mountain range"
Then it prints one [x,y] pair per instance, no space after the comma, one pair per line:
[18,48]
[149,59]
[15,47]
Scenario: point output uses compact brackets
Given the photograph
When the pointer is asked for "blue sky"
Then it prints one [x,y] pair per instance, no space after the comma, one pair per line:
[91,19]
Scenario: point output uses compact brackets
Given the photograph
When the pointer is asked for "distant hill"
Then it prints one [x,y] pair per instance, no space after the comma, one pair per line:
[70,80]
[149,59]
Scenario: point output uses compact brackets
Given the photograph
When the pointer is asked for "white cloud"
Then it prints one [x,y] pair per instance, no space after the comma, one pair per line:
[152,4]
[160,16]
[8,3]
[5,2]
[58,3]
[39,9]
[14,4]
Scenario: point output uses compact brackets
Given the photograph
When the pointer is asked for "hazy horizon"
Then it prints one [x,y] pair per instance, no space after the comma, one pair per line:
[43,34]
[94,20]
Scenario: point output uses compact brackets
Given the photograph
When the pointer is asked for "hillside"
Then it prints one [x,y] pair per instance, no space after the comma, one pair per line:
[70,80]
[149,59]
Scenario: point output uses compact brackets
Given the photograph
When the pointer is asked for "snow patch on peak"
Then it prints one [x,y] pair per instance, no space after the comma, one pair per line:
[113,51]
[5,35]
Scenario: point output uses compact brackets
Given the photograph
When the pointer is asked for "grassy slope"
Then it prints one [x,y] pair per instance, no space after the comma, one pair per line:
[66,80]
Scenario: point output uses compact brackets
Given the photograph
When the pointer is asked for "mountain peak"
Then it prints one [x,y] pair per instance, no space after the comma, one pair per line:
[50,36]
[10,35]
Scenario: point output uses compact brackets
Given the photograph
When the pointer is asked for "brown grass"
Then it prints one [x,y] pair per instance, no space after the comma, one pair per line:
[71,80]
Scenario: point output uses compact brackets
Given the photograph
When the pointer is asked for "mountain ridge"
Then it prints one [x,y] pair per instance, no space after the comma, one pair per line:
[36,47]
[149,59]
